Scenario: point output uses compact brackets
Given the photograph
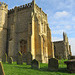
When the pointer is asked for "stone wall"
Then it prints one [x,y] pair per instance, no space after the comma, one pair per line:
[19,25]
[3,28]
[26,30]
[59,48]
[42,36]
[40,32]
[62,48]
[50,44]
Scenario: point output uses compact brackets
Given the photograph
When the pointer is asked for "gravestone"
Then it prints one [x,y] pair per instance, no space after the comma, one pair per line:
[19,58]
[10,60]
[53,64]
[4,58]
[1,69]
[70,65]
[35,64]
[28,58]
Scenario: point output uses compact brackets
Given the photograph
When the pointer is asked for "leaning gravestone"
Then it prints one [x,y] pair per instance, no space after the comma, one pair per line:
[4,58]
[28,58]
[19,58]
[53,64]
[1,69]
[35,64]
[10,60]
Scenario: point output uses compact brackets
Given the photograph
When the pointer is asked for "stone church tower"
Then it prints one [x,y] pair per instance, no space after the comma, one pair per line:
[25,29]
[67,46]
[3,28]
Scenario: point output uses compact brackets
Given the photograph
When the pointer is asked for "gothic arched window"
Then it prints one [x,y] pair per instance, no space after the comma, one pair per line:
[23,46]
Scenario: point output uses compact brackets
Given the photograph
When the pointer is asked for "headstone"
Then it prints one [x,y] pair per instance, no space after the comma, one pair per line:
[1,69]
[28,58]
[53,64]
[4,58]
[70,65]
[35,64]
[10,60]
[19,58]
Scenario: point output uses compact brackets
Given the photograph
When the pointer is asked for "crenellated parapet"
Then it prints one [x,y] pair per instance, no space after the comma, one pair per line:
[3,5]
[40,10]
[19,8]
[10,11]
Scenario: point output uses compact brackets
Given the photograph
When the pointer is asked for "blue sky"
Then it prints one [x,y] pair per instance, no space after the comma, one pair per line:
[61,16]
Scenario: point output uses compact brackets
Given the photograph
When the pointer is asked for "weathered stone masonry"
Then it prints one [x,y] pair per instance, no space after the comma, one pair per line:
[62,49]
[25,29]
[3,28]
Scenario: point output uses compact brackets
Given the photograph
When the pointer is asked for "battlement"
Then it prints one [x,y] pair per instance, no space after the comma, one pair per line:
[26,6]
[4,5]
[19,8]
[39,9]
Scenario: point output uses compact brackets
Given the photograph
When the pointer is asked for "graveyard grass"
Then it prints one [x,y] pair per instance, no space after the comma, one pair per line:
[14,69]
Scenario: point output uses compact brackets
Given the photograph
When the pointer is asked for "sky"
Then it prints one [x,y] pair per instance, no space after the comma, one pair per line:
[61,17]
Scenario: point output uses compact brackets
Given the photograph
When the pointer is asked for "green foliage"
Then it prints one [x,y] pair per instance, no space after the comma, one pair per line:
[14,69]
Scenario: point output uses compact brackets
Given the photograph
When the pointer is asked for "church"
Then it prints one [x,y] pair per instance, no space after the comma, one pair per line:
[25,28]
[62,49]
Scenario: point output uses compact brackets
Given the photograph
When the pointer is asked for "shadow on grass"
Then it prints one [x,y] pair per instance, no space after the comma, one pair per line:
[44,69]
[62,70]
[22,67]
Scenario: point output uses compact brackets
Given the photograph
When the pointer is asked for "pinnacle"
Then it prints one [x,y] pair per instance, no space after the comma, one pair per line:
[33,0]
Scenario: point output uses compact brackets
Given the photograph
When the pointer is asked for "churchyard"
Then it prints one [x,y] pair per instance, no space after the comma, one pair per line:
[24,69]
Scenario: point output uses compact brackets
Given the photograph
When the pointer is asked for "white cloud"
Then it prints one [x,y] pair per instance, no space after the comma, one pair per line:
[74,27]
[73,19]
[65,4]
[58,32]
[56,39]
[58,26]
[68,27]
[61,14]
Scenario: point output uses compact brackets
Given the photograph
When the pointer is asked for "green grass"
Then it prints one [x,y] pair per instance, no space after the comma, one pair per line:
[14,69]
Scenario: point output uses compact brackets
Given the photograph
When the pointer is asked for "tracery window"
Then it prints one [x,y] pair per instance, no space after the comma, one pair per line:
[23,46]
